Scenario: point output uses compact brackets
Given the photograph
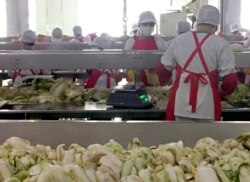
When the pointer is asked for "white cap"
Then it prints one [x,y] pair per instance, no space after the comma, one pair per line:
[101,42]
[57,34]
[105,35]
[146,17]
[29,37]
[209,15]
[247,35]
[234,27]
[77,31]
[134,27]
[183,26]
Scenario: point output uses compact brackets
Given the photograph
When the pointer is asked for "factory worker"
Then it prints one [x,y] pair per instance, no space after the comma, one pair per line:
[235,29]
[101,78]
[199,57]
[28,40]
[183,27]
[92,36]
[134,29]
[145,41]
[57,35]
[77,30]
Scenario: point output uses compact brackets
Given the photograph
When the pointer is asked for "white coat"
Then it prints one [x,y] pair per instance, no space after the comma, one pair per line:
[218,56]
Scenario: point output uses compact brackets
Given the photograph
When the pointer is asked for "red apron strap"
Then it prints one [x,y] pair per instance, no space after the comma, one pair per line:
[195,78]
[200,53]
[93,79]
[213,82]
[108,80]
[171,102]
[80,39]
[16,74]
[33,72]
[194,86]
[198,47]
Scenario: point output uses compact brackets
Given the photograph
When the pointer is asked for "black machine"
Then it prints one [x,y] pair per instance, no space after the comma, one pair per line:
[129,96]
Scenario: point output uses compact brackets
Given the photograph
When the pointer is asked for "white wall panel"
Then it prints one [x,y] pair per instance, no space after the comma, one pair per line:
[232,13]
[17,16]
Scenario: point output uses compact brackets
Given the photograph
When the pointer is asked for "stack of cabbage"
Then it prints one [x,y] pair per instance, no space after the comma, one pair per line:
[208,161]
[50,91]
[241,96]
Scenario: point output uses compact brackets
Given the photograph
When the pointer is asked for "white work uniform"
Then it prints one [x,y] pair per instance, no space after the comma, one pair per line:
[161,44]
[80,39]
[218,56]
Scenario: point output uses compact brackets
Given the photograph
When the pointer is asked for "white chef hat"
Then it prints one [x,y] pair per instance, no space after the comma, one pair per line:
[28,37]
[57,34]
[146,17]
[247,35]
[234,27]
[183,26]
[134,27]
[77,30]
[101,42]
[105,35]
[208,14]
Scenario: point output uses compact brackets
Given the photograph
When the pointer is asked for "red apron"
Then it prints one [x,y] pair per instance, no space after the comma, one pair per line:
[144,44]
[81,39]
[195,79]
[95,75]
[18,73]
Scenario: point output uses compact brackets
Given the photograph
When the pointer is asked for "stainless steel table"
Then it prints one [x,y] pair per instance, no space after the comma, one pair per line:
[98,111]
[150,133]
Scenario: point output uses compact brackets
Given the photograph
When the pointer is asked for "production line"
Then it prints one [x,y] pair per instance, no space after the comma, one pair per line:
[89,59]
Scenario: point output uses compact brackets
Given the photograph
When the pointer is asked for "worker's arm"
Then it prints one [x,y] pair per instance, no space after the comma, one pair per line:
[168,58]
[168,63]
[129,44]
[227,71]
[161,44]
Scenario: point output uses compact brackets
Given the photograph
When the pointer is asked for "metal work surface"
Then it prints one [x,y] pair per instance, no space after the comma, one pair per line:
[106,59]
[150,133]
[61,46]
[242,59]
[98,111]
[10,46]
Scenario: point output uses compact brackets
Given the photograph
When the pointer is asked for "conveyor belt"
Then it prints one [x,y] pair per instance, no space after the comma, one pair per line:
[98,111]
[150,133]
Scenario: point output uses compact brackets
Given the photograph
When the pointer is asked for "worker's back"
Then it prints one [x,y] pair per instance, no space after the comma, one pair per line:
[215,50]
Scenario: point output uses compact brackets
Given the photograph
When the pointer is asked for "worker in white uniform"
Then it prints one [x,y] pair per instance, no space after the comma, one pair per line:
[57,35]
[144,40]
[182,27]
[101,78]
[199,57]
[78,37]
[134,29]
[28,40]
[235,29]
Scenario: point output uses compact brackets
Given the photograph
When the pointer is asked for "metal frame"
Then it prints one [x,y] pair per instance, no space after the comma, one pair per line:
[79,59]
[150,133]
[98,111]
[91,59]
